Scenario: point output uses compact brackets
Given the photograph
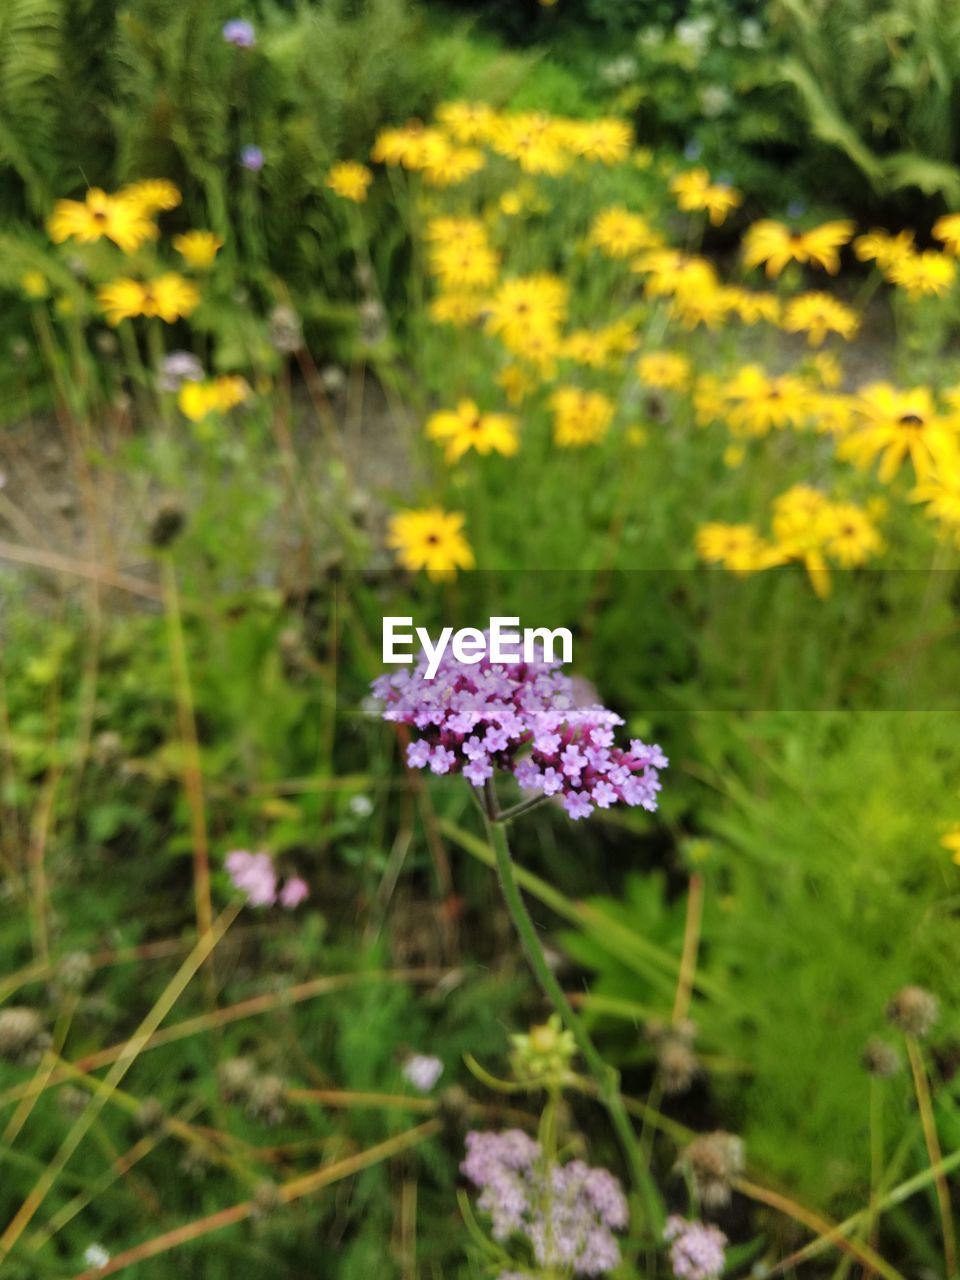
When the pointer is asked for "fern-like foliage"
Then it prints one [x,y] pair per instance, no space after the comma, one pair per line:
[100,92]
[30,85]
[879,83]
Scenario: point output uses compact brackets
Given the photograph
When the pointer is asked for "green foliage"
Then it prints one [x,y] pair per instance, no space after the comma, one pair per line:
[31,33]
[824,896]
[879,86]
[103,93]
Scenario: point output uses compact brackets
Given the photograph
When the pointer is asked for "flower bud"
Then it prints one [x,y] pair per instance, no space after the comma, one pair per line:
[914,1011]
[715,1161]
[265,1099]
[880,1059]
[168,523]
[23,1037]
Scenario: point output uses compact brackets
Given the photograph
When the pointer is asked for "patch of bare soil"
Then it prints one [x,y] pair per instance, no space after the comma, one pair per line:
[74,512]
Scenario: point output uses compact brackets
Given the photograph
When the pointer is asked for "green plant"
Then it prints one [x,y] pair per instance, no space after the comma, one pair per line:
[878,86]
[100,94]
[823,830]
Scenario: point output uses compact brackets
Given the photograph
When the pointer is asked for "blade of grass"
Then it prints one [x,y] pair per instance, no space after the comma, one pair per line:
[691,947]
[305,1185]
[250,1008]
[132,1048]
[814,1222]
[928,1120]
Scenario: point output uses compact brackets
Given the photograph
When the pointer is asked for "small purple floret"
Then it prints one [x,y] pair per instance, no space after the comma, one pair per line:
[240,32]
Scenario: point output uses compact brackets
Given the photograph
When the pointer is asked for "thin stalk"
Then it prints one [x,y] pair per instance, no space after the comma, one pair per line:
[522,806]
[826,1230]
[876,1165]
[691,946]
[309,1183]
[925,1106]
[221,1017]
[167,999]
[898,1195]
[192,771]
[605,1077]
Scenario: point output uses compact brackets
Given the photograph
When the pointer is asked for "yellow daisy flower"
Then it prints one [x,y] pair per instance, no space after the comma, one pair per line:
[431,539]
[752,306]
[449,167]
[700,302]
[737,547]
[467,121]
[947,231]
[579,417]
[607,140]
[851,537]
[97,216]
[756,403]
[951,841]
[774,245]
[597,348]
[941,493]
[816,315]
[670,270]
[411,146]
[198,248]
[882,248]
[618,233]
[923,274]
[153,195]
[457,309]
[466,428]
[463,267]
[523,303]
[469,232]
[169,296]
[809,528]
[695,193]
[533,140]
[895,425]
[665,370]
[197,400]
[350,180]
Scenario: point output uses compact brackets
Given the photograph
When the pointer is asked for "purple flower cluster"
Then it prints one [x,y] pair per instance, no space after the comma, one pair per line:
[697,1251]
[177,368]
[251,157]
[475,718]
[566,1213]
[240,32]
[254,876]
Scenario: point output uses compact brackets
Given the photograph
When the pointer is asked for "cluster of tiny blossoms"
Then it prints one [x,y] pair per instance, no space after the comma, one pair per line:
[697,1249]
[253,875]
[475,718]
[566,1213]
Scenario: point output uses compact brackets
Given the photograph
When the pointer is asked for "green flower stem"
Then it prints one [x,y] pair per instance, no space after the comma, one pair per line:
[605,1077]
[523,806]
